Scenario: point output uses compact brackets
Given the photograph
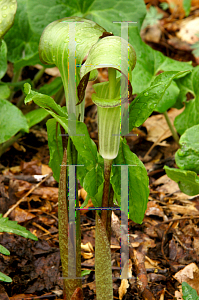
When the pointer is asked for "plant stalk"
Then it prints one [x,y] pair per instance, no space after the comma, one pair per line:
[38,76]
[70,285]
[171,127]
[15,78]
[105,197]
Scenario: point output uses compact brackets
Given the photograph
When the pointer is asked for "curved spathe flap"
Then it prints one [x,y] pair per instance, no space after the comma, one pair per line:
[107,53]
[55,39]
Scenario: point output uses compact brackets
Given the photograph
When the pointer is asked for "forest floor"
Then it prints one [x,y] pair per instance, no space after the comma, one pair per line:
[165,246]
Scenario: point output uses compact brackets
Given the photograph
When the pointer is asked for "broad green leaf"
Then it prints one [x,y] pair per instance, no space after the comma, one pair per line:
[188,292]
[93,185]
[5,278]
[55,147]
[7,14]
[85,166]
[187,157]
[138,182]
[52,88]
[169,98]
[3,59]
[145,102]
[22,42]
[4,251]
[12,227]
[11,120]
[185,85]
[43,101]
[188,181]
[100,11]
[187,6]
[149,61]
[4,91]
[36,116]
[190,116]
[82,141]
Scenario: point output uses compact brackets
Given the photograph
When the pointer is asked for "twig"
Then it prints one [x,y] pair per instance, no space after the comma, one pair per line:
[177,219]
[23,199]
[181,243]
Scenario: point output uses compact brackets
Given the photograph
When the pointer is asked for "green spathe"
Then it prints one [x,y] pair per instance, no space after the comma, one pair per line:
[54,47]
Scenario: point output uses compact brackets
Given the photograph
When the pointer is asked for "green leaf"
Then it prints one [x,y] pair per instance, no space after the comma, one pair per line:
[22,42]
[4,91]
[11,120]
[85,272]
[188,292]
[187,157]
[4,250]
[149,61]
[190,116]
[36,116]
[146,102]
[100,11]
[3,59]
[12,226]
[43,101]
[7,14]
[93,185]
[138,182]
[52,88]
[187,6]
[82,141]
[5,278]
[188,181]
[169,98]
[55,147]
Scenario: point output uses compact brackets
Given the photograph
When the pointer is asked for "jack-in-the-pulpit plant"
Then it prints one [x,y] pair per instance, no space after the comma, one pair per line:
[101,181]
[108,97]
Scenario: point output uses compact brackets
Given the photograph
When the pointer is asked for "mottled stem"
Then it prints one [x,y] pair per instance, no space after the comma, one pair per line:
[70,285]
[105,197]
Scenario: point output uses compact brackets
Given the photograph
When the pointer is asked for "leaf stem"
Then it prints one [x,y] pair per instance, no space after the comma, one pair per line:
[15,78]
[171,127]
[38,76]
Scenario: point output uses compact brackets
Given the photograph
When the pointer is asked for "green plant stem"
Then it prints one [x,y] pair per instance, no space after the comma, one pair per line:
[7,144]
[38,76]
[173,131]
[59,96]
[15,78]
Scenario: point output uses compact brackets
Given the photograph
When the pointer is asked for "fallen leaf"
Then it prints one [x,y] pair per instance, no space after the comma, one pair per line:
[189,274]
